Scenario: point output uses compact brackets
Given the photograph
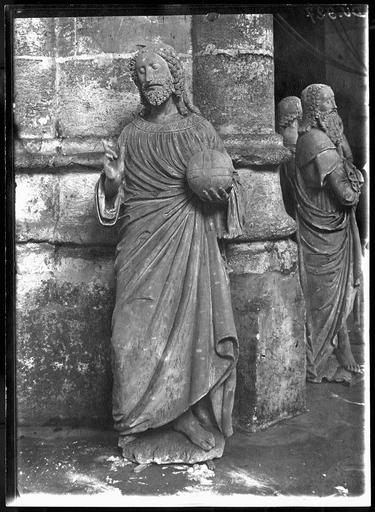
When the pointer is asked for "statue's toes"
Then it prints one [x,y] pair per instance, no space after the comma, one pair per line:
[355,368]
[206,446]
[211,440]
[358,369]
[206,441]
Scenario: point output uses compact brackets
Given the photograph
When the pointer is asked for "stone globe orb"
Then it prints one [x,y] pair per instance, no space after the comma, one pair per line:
[209,169]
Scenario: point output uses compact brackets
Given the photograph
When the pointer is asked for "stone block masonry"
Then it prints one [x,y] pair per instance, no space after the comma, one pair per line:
[270,316]
[72,89]
[35,98]
[71,78]
[59,208]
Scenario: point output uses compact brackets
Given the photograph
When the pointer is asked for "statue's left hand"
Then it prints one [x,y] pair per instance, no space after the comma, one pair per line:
[215,196]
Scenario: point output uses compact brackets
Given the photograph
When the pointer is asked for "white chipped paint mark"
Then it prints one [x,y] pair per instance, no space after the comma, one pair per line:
[241,476]
[342,491]
[333,395]
[29,363]
[89,481]
[43,120]
[83,367]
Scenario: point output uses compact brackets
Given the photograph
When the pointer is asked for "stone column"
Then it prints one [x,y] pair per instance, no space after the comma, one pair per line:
[233,84]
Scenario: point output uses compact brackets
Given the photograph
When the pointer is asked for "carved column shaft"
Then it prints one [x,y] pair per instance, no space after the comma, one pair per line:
[233,84]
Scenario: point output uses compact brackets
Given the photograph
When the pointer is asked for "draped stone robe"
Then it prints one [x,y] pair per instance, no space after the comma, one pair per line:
[287,178]
[328,241]
[173,335]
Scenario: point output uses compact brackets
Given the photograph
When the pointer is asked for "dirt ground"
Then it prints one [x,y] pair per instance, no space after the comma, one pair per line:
[316,454]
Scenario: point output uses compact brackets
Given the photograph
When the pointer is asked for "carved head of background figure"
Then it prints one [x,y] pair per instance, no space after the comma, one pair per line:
[327,188]
[289,114]
[174,342]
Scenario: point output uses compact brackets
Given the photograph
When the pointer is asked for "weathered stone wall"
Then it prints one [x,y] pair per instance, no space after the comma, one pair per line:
[71,89]
[269,316]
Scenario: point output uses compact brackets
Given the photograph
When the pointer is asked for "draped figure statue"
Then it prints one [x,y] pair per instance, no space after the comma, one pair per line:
[174,342]
[289,114]
[327,188]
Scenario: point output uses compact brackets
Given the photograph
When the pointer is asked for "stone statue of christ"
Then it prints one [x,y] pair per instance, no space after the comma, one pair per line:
[174,342]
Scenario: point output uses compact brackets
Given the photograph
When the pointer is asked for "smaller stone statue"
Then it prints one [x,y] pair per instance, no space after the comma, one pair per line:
[289,114]
[327,187]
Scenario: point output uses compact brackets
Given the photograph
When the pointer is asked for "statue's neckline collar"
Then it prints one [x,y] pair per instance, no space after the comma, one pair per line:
[173,124]
[173,117]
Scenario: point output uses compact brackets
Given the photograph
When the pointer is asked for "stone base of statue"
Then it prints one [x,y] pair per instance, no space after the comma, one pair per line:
[166,446]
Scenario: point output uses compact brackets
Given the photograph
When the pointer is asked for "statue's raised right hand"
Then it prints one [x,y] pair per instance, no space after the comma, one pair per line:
[112,164]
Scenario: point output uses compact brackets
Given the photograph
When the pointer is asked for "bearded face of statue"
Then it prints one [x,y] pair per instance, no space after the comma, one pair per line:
[328,118]
[154,78]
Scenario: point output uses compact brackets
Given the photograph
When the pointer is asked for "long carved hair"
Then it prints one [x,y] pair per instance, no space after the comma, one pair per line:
[310,106]
[166,52]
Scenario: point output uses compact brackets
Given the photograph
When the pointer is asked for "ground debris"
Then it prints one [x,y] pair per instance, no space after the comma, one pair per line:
[117,462]
[109,480]
[201,473]
[112,458]
[140,468]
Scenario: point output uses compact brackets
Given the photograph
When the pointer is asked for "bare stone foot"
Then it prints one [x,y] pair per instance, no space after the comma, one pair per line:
[188,424]
[201,411]
[346,359]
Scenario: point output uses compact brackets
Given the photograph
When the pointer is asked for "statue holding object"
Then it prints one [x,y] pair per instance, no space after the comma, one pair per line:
[174,342]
